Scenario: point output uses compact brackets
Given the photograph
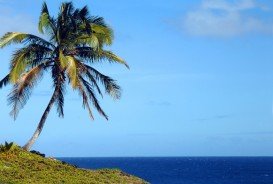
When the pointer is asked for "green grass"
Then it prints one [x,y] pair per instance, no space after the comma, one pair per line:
[20,166]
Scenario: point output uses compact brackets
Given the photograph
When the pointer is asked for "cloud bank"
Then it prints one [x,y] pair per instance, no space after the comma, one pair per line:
[224,18]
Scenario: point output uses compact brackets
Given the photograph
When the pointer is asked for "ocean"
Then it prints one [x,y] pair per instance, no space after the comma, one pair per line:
[188,170]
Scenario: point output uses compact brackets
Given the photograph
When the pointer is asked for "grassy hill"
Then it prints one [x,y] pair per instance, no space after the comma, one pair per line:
[20,166]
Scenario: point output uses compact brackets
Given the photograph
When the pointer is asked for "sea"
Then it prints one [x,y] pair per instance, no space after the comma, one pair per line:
[187,170]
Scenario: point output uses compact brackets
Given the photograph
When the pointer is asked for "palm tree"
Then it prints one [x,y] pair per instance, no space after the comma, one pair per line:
[76,40]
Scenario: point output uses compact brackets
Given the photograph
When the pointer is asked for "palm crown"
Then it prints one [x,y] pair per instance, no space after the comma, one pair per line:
[76,40]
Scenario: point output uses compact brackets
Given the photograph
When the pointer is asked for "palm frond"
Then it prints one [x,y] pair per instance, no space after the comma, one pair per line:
[85,102]
[105,35]
[18,37]
[111,57]
[98,21]
[59,84]
[60,99]
[23,88]
[83,16]
[110,85]
[67,8]
[93,82]
[46,22]
[85,73]
[93,97]
[84,12]
[4,81]
[19,64]
[91,55]
[69,64]
[29,56]
[89,40]
[12,37]
[72,71]
[63,60]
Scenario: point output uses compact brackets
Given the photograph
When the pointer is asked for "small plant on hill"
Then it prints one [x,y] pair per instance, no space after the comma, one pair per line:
[7,146]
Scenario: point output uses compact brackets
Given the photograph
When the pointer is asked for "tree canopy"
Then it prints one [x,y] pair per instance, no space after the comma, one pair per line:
[72,43]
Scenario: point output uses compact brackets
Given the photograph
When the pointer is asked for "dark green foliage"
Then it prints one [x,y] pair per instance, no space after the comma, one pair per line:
[7,147]
[37,153]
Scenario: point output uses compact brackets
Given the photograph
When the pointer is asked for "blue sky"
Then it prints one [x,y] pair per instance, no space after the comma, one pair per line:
[200,83]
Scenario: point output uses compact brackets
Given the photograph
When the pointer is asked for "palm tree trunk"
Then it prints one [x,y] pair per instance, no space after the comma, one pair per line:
[40,126]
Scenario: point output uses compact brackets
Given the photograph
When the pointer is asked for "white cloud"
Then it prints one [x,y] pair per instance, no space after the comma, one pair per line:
[225,18]
[227,6]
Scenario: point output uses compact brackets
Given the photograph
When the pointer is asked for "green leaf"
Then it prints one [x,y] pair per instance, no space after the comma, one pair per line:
[63,60]
[104,34]
[12,37]
[4,81]
[90,40]
[110,56]
[44,20]
[69,64]
[18,68]
[72,71]
[23,87]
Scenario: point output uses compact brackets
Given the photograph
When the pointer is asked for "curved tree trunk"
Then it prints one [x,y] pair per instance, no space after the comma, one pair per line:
[40,126]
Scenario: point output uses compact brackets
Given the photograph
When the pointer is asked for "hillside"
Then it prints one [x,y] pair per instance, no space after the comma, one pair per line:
[20,166]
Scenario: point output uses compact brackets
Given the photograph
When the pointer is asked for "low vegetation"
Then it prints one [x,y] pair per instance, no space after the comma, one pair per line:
[20,166]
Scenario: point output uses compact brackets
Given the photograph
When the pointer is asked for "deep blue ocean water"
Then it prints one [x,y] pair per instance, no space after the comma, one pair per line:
[188,170]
